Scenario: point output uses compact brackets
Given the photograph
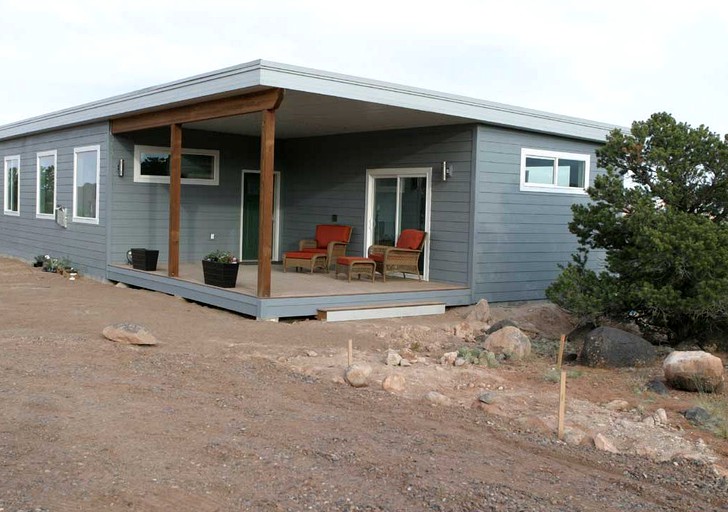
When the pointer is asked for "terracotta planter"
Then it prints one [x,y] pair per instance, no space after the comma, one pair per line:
[219,274]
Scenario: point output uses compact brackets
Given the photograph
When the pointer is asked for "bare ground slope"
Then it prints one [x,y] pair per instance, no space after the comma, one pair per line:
[225,415]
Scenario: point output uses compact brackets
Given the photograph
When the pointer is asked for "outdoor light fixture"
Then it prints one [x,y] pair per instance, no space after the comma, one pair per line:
[120,167]
[446,171]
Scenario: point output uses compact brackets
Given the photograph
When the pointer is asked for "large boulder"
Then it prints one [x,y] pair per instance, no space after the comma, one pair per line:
[613,348]
[510,342]
[694,370]
[480,312]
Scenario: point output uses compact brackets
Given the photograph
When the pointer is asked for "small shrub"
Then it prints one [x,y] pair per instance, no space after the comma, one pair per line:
[554,375]
[221,257]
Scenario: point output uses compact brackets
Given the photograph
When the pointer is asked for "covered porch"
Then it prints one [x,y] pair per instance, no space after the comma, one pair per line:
[294,294]
[282,162]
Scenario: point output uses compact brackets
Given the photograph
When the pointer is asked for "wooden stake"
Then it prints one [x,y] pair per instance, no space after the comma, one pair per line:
[350,354]
[562,404]
[562,345]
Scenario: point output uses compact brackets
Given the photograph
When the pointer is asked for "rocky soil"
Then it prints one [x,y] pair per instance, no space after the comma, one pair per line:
[226,413]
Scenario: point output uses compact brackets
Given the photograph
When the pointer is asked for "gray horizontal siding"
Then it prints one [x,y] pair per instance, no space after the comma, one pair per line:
[325,176]
[26,236]
[141,210]
[520,238]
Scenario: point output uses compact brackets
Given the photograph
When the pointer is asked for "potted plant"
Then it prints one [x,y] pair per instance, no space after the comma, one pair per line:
[144,259]
[220,268]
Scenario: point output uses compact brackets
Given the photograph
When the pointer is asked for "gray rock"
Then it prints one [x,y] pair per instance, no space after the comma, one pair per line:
[617,405]
[613,348]
[131,334]
[657,386]
[437,398]
[697,415]
[311,353]
[357,375]
[500,324]
[604,444]
[405,362]
[448,358]
[121,285]
[487,397]
[460,361]
[510,342]
[393,358]
[694,370]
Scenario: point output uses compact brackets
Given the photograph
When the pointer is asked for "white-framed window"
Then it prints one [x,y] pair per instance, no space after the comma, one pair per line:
[11,181]
[199,166]
[45,196]
[554,171]
[86,176]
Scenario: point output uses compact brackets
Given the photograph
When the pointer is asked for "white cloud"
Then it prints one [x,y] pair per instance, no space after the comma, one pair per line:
[613,62]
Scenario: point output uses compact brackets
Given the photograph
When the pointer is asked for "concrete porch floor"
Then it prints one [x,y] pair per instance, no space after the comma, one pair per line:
[304,284]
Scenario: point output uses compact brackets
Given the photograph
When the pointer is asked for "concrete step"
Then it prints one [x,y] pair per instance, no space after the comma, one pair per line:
[340,314]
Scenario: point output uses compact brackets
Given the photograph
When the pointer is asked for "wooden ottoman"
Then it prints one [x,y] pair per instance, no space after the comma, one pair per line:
[355,265]
[306,260]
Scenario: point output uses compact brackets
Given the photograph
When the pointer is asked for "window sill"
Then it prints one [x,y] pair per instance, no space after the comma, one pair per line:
[85,220]
[553,190]
[12,213]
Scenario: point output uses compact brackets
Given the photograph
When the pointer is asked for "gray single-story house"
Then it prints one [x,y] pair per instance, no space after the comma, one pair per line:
[184,168]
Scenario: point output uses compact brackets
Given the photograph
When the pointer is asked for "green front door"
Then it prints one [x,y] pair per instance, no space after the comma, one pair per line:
[249,218]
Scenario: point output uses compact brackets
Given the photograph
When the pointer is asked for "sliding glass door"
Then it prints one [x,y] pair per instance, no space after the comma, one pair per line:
[398,199]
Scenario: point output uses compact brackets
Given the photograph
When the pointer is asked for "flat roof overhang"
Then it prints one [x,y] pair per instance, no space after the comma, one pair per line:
[315,103]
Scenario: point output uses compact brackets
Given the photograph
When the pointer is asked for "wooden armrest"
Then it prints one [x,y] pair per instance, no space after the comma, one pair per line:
[307,244]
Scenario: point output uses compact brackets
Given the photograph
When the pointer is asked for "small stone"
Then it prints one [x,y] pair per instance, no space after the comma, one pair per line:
[448,358]
[392,358]
[510,342]
[574,436]
[697,415]
[500,324]
[460,361]
[649,421]
[408,354]
[393,383]
[405,362]
[311,353]
[463,330]
[660,416]
[131,334]
[480,312]
[487,398]
[617,405]
[604,444]
[657,386]
[357,375]
[437,398]
[121,285]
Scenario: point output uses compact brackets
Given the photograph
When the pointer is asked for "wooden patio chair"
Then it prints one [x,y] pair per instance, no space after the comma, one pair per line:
[331,240]
[403,257]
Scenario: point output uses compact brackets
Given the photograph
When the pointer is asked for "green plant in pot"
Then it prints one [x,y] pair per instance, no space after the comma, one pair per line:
[220,268]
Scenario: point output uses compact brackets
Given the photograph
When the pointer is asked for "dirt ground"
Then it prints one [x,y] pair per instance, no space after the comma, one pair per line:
[227,413]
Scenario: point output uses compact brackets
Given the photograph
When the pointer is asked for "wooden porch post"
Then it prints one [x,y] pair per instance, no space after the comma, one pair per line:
[265,216]
[175,182]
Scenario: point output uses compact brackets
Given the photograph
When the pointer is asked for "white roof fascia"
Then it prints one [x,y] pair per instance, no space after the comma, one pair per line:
[208,84]
[332,84]
[272,74]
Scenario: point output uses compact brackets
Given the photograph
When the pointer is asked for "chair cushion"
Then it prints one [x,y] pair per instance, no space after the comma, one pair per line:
[326,233]
[377,257]
[313,250]
[410,239]
[299,255]
[348,260]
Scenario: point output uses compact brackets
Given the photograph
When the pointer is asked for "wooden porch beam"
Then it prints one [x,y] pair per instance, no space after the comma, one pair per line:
[265,216]
[224,107]
[175,188]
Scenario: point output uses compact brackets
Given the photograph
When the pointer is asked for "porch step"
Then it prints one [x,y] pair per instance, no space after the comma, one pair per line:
[397,310]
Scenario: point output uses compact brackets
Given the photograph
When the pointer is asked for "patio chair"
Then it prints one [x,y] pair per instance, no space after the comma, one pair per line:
[403,257]
[331,240]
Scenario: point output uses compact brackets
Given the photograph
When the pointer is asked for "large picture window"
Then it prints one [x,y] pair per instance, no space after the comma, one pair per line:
[199,166]
[11,180]
[46,185]
[551,171]
[86,167]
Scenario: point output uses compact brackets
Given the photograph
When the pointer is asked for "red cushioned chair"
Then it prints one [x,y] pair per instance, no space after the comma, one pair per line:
[403,257]
[331,240]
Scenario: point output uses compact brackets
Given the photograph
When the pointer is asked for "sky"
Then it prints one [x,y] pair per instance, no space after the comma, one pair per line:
[612,61]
